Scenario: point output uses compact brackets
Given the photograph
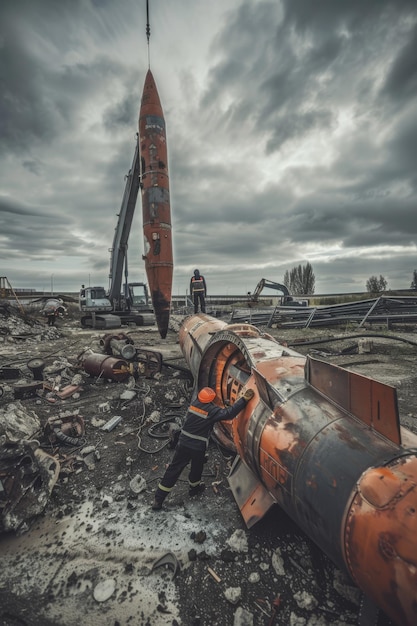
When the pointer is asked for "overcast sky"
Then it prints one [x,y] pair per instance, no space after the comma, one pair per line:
[291,132]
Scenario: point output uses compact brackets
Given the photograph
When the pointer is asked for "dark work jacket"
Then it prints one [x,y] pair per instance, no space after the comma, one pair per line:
[198,285]
[200,420]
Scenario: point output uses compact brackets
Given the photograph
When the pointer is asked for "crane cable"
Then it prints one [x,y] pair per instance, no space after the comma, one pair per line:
[148,32]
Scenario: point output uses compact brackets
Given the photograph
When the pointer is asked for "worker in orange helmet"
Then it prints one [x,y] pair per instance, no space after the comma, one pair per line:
[193,441]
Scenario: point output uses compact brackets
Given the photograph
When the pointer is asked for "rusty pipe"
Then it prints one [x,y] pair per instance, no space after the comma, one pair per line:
[104,366]
[119,347]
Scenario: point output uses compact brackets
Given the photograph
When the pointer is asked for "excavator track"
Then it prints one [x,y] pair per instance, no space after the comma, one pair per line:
[101,321]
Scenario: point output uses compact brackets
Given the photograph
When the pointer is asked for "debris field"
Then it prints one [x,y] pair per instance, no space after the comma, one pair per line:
[80,458]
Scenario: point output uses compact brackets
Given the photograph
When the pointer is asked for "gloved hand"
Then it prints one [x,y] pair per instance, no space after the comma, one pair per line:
[248,395]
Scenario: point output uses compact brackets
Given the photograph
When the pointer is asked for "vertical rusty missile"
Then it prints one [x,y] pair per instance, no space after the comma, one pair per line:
[155,202]
[323,443]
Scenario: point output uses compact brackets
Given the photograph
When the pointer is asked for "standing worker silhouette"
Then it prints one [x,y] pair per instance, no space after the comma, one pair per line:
[198,291]
[193,441]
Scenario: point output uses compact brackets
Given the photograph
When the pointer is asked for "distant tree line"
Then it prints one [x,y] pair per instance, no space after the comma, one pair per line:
[300,280]
[378,285]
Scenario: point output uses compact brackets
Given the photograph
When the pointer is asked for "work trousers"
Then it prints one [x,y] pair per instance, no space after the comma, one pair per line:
[199,300]
[182,456]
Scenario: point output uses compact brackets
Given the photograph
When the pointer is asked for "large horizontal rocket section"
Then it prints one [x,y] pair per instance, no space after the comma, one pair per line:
[323,443]
[155,202]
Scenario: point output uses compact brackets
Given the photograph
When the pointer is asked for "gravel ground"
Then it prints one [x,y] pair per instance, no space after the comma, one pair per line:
[93,555]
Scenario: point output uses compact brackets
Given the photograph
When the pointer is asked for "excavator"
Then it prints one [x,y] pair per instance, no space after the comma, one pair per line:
[286,297]
[115,308]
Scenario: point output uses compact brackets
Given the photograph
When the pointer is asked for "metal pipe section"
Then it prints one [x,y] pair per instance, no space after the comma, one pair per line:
[118,345]
[323,443]
[36,366]
[104,366]
[121,348]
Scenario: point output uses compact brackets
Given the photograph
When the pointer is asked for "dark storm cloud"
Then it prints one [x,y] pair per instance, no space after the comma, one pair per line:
[39,99]
[292,131]
[295,125]
[404,149]
[335,52]
[364,222]
[32,166]
[326,14]
[296,92]
[402,78]
[122,113]
[276,99]
[9,207]
[25,113]
[43,226]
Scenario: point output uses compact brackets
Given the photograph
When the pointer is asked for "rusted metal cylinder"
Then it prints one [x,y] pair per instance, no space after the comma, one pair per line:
[104,366]
[118,345]
[121,348]
[128,351]
[36,366]
[323,443]
[194,335]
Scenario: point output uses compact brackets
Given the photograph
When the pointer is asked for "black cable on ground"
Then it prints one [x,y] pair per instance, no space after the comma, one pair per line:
[171,418]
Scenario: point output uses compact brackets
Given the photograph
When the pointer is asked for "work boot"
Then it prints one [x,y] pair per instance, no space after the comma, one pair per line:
[156,506]
[194,491]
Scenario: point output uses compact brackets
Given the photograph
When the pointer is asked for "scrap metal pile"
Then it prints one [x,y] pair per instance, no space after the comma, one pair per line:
[27,477]
[34,452]
[382,310]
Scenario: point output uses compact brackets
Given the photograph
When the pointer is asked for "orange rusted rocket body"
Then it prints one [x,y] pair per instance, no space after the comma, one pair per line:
[156,202]
[326,445]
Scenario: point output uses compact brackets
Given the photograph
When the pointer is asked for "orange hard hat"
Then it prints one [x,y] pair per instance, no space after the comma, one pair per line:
[206,394]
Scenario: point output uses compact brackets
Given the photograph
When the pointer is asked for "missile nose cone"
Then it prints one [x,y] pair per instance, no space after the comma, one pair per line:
[150,97]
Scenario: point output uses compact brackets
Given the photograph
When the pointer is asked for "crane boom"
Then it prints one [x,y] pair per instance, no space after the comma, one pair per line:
[118,258]
[113,309]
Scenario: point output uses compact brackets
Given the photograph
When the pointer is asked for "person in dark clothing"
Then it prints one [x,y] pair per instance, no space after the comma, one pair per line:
[51,318]
[193,441]
[198,291]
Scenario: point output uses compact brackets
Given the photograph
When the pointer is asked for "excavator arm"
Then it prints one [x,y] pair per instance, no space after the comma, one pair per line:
[264,282]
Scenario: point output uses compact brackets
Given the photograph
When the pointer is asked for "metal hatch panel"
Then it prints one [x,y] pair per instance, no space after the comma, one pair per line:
[370,401]
[251,496]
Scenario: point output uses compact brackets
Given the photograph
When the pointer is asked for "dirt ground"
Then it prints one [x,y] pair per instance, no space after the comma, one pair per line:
[98,555]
